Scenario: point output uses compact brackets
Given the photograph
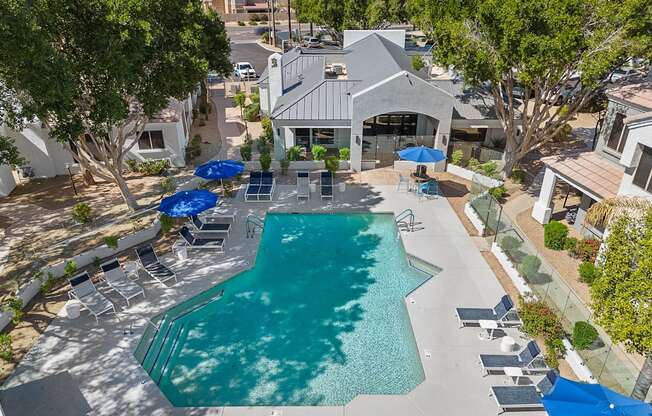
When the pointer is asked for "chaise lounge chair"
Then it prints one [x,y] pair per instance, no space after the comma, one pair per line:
[503,313]
[213,227]
[326,185]
[151,264]
[303,185]
[201,240]
[261,187]
[117,280]
[523,397]
[87,294]
[529,359]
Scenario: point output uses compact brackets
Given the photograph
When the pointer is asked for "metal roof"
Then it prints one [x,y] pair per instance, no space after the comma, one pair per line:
[328,100]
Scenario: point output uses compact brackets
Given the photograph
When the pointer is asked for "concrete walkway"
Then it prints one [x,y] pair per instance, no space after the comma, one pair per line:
[100,360]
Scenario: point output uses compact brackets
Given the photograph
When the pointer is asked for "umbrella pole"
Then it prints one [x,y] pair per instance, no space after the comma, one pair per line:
[223,190]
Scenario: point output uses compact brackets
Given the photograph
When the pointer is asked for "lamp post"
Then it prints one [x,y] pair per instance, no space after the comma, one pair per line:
[289,22]
[72,180]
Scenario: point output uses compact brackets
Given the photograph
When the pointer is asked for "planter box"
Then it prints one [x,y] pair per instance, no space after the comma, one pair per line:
[473,217]
[308,165]
[472,176]
[507,265]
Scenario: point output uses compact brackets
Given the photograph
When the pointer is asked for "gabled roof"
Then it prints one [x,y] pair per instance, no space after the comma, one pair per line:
[470,103]
[638,94]
[328,100]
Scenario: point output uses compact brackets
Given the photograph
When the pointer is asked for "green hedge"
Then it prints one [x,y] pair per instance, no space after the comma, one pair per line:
[584,334]
[554,235]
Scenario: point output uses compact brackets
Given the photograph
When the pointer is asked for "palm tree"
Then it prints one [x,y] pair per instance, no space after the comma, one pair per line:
[240,99]
[608,210]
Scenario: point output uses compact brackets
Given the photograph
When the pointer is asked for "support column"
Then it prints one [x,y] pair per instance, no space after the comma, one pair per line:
[542,208]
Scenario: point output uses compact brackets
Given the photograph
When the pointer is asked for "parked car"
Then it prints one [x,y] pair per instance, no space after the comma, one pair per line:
[244,71]
[622,73]
[213,77]
[312,43]
[572,86]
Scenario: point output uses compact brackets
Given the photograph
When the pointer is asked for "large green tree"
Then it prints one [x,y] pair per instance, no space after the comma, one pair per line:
[95,71]
[622,292]
[541,45]
[9,154]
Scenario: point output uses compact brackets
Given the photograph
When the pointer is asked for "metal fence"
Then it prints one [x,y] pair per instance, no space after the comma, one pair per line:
[384,148]
[474,150]
[608,362]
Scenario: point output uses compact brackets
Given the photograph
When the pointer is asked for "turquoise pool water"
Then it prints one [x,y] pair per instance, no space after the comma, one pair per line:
[319,319]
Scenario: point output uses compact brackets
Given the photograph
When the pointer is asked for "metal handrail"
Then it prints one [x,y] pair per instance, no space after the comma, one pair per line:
[406,215]
[253,222]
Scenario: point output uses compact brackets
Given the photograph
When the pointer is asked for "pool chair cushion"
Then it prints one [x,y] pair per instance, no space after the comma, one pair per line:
[514,396]
[253,190]
[82,285]
[146,255]
[504,306]
[198,242]
[327,190]
[267,178]
[255,178]
[212,226]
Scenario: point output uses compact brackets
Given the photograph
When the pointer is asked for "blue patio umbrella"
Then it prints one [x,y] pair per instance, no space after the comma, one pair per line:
[568,397]
[188,203]
[422,154]
[219,169]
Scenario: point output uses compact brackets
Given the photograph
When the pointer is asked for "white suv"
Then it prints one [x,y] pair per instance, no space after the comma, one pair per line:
[244,71]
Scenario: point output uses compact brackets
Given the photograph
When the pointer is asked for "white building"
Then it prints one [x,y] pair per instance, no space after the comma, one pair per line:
[620,165]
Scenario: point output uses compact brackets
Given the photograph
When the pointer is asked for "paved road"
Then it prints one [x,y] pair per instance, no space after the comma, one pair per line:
[252,53]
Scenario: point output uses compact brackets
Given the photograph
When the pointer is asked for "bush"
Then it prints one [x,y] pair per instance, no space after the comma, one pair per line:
[285,164]
[318,152]
[268,133]
[194,147]
[473,164]
[588,272]
[6,349]
[265,161]
[254,18]
[294,153]
[564,133]
[132,165]
[82,213]
[417,62]
[251,112]
[555,350]
[154,167]
[539,320]
[509,243]
[47,284]
[69,269]
[529,267]
[241,23]
[111,241]
[569,244]
[584,334]
[332,164]
[518,175]
[345,153]
[554,235]
[167,223]
[457,156]
[587,249]
[498,192]
[253,23]
[263,146]
[15,305]
[168,185]
[489,168]
[245,152]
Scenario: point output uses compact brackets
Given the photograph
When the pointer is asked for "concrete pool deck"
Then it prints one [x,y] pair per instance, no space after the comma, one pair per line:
[99,358]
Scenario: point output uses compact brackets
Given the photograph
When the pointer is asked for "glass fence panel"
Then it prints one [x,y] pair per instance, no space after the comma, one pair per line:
[620,372]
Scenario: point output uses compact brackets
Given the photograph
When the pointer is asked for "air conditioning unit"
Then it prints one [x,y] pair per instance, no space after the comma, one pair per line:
[338,69]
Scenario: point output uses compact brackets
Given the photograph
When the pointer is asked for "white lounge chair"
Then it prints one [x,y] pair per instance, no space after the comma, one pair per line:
[201,240]
[529,359]
[303,185]
[87,294]
[261,187]
[150,263]
[117,280]
[503,313]
[326,185]
[213,227]
[523,397]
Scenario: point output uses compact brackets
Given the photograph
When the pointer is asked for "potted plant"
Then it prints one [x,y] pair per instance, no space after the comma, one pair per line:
[332,164]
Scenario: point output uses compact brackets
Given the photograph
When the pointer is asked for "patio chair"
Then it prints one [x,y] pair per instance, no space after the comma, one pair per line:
[326,185]
[261,187]
[213,227]
[201,240]
[87,294]
[303,185]
[403,181]
[523,397]
[428,189]
[150,263]
[529,359]
[117,280]
[503,313]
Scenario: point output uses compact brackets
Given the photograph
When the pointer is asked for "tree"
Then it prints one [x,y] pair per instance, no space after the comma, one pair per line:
[96,72]
[540,45]
[9,154]
[240,99]
[621,292]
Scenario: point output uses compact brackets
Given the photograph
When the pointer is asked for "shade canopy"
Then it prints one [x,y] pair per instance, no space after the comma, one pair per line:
[422,154]
[187,203]
[568,397]
[219,169]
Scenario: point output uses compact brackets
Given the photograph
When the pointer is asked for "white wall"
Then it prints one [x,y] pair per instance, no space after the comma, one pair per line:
[640,134]
[7,181]
[394,36]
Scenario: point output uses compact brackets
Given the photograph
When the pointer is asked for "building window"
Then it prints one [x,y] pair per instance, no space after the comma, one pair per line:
[390,124]
[644,169]
[469,134]
[151,139]
[302,138]
[323,136]
[617,139]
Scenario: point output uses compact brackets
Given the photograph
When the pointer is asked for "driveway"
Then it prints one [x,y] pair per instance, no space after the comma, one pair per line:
[252,53]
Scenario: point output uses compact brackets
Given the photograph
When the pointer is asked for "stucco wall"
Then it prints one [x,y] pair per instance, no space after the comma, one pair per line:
[7,181]
[613,108]
[640,134]
[175,143]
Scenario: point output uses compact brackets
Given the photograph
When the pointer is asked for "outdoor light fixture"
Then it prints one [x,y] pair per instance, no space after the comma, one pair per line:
[357,140]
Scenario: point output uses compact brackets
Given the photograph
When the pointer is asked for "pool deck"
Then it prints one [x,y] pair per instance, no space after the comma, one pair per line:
[101,366]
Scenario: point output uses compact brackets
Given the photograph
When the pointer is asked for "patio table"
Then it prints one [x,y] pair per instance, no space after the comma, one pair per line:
[514,372]
[489,326]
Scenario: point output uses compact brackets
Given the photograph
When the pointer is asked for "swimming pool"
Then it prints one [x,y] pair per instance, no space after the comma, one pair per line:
[320,319]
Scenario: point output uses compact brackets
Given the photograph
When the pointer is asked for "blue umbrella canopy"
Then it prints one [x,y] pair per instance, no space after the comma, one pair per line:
[188,203]
[219,169]
[568,397]
[422,154]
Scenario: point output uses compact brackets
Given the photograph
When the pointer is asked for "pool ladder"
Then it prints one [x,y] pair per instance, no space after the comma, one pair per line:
[406,220]
[252,224]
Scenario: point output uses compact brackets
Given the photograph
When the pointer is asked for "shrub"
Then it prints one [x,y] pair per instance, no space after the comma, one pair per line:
[265,37]
[489,169]
[97,261]
[263,17]
[194,147]
[262,146]
[251,112]
[15,305]
[555,350]
[588,272]
[268,133]
[345,153]
[587,249]
[509,243]
[69,269]
[584,334]
[332,164]
[82,213]
[154,167]
[241,23]
[47,284]
[473,164]
[529,267]
[294,153]
[285,164]
[457,156]
[132,164]
[245,152]
[265,161]
[167,223]
[111,241]
[6,349]
[168,185]
[318,152]
[417,62]
[254,18]
[518,175]
[554,235]
[498,192]
[539,320]
[569,244]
